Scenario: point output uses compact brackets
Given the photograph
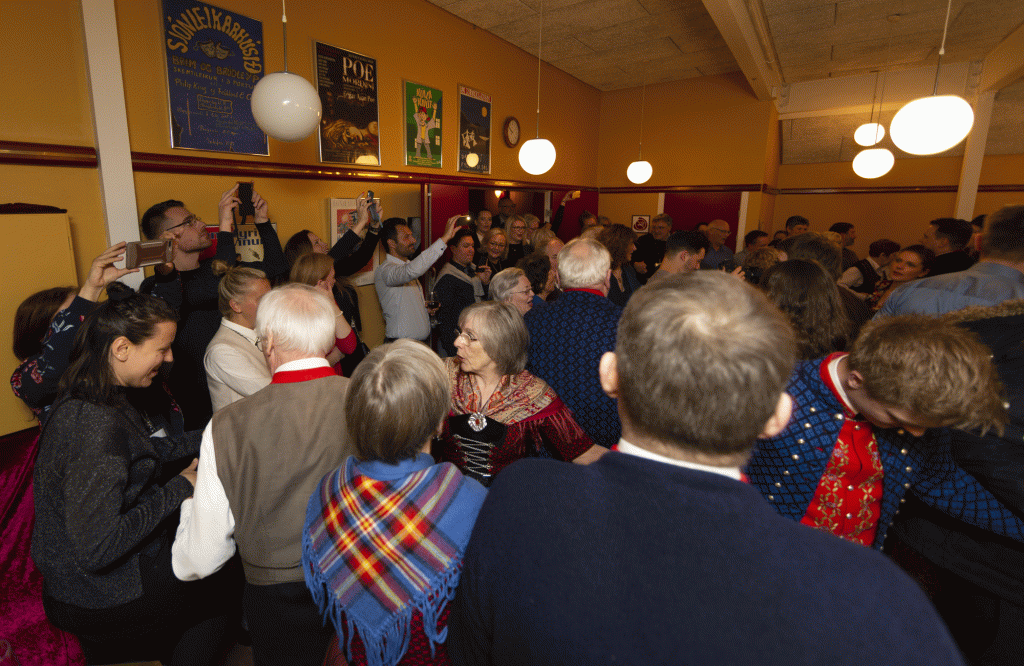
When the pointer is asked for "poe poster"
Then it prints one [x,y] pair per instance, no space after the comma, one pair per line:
[214,60]
[474,131]
[422,125]
[347,83]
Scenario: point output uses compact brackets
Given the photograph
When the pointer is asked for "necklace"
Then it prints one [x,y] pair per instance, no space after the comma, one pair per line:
[477,421]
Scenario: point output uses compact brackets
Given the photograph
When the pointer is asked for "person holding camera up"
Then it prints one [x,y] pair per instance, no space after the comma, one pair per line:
[458,284]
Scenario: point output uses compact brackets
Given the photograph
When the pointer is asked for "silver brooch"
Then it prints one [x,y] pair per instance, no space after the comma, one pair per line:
[477,421]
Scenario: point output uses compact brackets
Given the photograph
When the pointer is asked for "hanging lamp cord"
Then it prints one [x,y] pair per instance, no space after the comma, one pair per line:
[284,30]
[942,47]
[540,42]
[643,101]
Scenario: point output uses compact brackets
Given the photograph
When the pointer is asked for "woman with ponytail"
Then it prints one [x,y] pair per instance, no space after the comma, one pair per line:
[107,495]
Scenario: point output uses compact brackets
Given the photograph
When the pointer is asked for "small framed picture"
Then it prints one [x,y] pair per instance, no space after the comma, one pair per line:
[641,224]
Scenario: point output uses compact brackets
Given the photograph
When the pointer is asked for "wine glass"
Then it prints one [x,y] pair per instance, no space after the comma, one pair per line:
[432,305]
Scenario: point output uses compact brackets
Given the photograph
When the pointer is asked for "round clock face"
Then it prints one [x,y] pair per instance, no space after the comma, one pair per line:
[511,132]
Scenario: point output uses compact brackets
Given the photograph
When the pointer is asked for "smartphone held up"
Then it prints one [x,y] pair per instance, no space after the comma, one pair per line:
[139,254]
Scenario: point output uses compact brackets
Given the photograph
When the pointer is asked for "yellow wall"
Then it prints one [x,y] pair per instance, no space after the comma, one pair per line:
[43,76]
[705,131]
[411,40]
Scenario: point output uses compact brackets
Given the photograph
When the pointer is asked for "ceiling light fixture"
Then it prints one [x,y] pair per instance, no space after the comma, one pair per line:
[871,133]
[285,105]
[875,162]
[640,171]
[930,125]
[537,156]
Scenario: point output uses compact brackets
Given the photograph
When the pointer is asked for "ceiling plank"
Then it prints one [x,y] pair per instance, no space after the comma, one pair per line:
[737,28]
[1005,63]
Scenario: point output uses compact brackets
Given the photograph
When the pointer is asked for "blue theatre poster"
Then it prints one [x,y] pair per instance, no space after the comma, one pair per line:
[214,60]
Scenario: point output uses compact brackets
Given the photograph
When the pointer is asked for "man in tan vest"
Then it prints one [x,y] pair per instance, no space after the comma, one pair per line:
[259,462]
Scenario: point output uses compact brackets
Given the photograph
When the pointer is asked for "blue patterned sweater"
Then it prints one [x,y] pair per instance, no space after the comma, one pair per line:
[788,467]
[567,339]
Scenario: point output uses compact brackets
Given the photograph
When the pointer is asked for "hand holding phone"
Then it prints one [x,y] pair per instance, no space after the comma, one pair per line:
[139,254]
[245,207]
[372,209]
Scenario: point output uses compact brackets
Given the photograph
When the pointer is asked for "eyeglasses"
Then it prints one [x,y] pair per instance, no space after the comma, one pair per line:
[191,219]
[259,343]
[469,337]
[524,291]
[496,244]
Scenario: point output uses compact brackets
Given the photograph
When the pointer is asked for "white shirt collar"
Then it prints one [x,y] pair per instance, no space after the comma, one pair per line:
[833,372]
[304,364]
[247,333]
[634,450]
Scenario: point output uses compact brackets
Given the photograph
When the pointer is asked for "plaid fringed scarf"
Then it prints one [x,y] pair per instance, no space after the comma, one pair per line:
[383,540]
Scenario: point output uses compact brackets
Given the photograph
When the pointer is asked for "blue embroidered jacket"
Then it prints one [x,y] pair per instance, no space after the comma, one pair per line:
[787,468]
[567,339]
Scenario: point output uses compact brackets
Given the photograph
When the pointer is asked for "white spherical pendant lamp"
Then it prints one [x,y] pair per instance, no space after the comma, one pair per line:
[873,162]
[639,172]
[931,125]
[869,134]
[536,156]
[286,106]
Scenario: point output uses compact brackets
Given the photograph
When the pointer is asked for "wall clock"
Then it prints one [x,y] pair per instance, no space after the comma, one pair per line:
[511,132]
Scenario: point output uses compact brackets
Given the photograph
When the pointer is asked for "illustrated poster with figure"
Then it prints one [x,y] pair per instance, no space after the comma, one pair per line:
[474,131]
[214,59]
[347,83]
[422,125]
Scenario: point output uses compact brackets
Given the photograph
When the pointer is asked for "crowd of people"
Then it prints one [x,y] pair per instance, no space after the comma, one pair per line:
[617,448]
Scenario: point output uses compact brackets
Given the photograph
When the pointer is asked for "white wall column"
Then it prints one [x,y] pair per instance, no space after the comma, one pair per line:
[110,120]
[974,154]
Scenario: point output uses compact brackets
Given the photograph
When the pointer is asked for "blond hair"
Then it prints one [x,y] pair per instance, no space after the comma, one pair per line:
[235,284]
[931,367]
[310,268]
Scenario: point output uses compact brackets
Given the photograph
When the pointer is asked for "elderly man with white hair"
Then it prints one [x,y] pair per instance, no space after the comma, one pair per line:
[259,461]
[568,337]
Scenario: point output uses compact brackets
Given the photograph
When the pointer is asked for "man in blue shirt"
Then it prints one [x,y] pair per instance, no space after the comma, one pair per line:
[998,276]
[718,231]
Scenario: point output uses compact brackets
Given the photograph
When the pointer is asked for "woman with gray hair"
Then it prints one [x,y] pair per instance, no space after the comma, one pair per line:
[396,402]
[512,286]
[500,412]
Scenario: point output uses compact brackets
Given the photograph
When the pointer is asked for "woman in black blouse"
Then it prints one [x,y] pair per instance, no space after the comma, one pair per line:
[107,491]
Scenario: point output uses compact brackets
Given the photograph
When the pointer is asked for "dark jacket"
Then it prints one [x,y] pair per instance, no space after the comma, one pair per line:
[101,501]
[693,568]
[567,339]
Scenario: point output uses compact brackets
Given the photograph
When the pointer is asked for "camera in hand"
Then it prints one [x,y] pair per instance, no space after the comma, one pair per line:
[374,215]
[245,208]
[139,254]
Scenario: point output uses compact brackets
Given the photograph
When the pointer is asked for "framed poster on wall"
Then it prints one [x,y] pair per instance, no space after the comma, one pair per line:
[349,127]
[342,216]
[474,131]
[422,125]
[214,59]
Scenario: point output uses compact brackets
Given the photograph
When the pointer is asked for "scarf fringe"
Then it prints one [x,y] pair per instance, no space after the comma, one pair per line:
[387,642]
[386,645]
